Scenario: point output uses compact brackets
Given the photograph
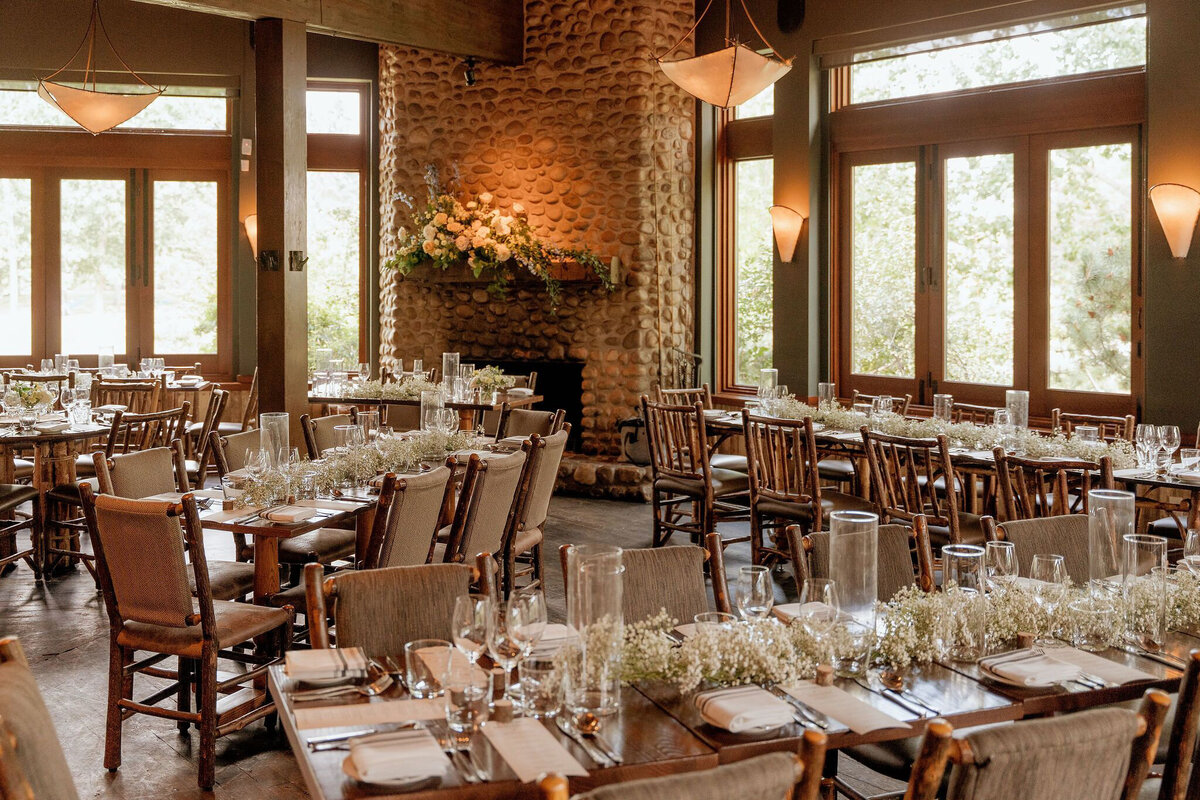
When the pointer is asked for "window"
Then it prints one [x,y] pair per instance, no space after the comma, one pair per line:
[23,108]
[745,245]
[16,266]
[337,231]
[967,265]
[1093,42]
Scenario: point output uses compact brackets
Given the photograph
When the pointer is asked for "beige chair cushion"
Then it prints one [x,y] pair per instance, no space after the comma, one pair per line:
[768,777]
[970,531]
[228,580]
[38,751]
[235,623]
[380,610]
[526,541]
[670,578]
[840,501]
[730,461]
[724,482]
[324,545]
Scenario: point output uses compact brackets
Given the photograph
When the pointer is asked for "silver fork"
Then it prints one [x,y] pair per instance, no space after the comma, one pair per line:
[376,687]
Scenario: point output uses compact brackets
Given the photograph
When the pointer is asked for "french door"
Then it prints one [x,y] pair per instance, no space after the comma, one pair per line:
[971,267]
[132,259]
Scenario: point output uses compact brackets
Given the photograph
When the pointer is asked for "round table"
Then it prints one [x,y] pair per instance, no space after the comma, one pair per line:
[54,457]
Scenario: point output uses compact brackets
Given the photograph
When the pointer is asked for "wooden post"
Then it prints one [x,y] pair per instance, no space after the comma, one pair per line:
[281,67]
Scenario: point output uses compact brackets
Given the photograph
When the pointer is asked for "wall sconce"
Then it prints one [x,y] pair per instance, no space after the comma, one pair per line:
[1177,207]
[787,224]
[251,223]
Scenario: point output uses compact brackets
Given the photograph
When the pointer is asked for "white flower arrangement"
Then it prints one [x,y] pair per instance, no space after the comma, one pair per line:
[355,464]
[492,379]
[448,232]
[962,434]
[28,395]
[409,388]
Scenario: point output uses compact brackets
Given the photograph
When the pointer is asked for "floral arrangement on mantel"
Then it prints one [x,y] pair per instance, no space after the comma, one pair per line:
[448,232]
[914,627]
[963,434]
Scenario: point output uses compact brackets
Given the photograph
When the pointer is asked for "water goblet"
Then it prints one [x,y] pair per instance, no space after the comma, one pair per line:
[819,608]
[1049,574]
[469,629]
[1168,442]
[505,646]
[1191,551]
[1146,443]
[755,592]
[1001,558]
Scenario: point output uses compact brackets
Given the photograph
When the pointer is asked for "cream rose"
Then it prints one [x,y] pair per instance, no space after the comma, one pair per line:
[430,232]
[429,246]
[503,253]
[440,218]
[462,243]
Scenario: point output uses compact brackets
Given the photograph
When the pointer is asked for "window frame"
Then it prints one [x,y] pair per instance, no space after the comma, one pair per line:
[748,139]
[1033,118]
[347,152]
[48,156]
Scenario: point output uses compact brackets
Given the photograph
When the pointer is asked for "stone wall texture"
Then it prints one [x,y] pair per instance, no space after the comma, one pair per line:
[597,144]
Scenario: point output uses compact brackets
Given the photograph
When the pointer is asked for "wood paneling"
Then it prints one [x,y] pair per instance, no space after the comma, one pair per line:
[489,29]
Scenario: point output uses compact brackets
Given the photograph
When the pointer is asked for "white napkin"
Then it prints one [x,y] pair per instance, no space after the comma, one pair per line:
[521,391]
[743,708]
[1031,669]
[530,750]
[314,665]
[1188,476]
[789,611]
[288,514]
[553,638]
[398,756]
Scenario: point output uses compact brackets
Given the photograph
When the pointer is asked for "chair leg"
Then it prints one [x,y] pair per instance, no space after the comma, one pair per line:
[756,537]
[657,538]
[120,687]
[185,692]
[206,703]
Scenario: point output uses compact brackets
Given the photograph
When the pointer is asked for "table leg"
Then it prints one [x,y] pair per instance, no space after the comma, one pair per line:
[266,568]
[54,465]
[8,545]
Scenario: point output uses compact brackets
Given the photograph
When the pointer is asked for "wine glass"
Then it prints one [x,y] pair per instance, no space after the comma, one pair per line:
[1001,559]
[364,371]
[447,420]
[755,592]
[1049,575]
[819,607]
[527,611]
[472,616]
[1191,551]
[1146,442]
[504,644]
[1168,440]
[258,463]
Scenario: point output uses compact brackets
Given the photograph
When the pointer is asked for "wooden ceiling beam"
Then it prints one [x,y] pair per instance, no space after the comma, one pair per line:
[493,30]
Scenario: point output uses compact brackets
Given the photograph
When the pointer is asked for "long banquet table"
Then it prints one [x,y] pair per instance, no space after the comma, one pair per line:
[658,731]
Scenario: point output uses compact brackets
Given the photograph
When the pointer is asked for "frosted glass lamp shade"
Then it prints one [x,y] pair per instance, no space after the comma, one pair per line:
[726,77]
[93,110]
[787,224]
[1177,207]
[251,223]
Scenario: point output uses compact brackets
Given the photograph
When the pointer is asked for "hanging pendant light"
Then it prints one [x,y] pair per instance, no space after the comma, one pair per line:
[94,110]
[727,77]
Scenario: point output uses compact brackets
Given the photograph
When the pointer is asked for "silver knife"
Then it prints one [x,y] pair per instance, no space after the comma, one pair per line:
[593,752]
[800,708]
[1161,658]
[338,737]
[898,701]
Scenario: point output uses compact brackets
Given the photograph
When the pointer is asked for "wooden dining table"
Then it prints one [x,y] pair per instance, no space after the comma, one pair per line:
[658,731]
[469,410]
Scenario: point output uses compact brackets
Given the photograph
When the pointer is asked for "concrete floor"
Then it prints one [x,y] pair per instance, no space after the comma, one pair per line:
[63,628]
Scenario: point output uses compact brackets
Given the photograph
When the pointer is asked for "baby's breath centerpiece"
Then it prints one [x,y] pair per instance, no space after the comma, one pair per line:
[494,244]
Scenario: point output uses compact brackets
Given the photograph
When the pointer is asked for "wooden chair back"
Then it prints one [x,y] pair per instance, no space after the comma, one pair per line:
[405,528]
[250,413]
[528,421]
[899,547]
[417,602]
[668,578]
[782,459]
[1111,428]
[685,397]
[32,763]
[526,382]
[184,369]
[1032,488]
[143,473]
[319,434]
[492,490]
[904,472]
[213,415]
[1180,778]
[899,404]
[233,451]
[979,415]
[131,432]
[1104,752]
[138,396]
[1066,535]
[678,441]
[796,776]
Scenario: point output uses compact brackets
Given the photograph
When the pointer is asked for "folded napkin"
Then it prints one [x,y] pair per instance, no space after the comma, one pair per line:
[51,426]
[313,665]
[789,611]
[289,514]
[1188,476]
[743,708]
[553,638]
[521,392]
[397,756]
[1030,668]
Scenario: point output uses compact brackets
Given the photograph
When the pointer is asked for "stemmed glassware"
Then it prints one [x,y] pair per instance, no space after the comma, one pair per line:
[755,592]
[1001,561]
[1146,441]
[472,618]
[1191,552]
[819,608]
[1049,575]
[258,463]
[1168,442]
[516,627]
